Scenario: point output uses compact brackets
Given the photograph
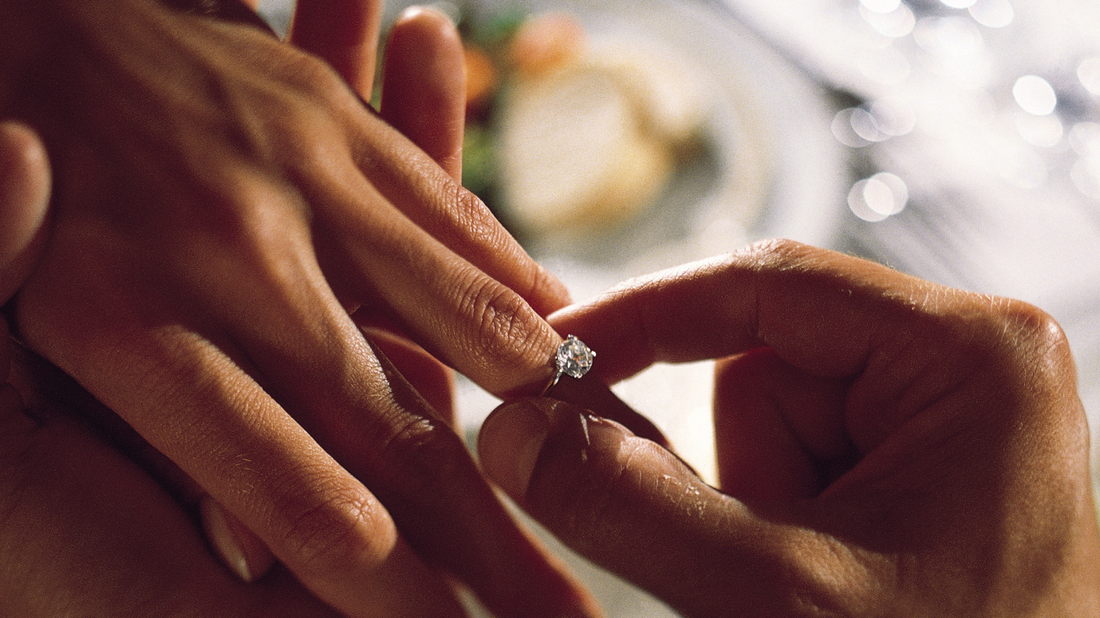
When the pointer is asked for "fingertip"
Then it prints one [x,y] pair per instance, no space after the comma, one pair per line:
[424,85]
[427,16]
[24,201]
[509,444]
[558,442]
[239,549]
[433,380]
[549,294]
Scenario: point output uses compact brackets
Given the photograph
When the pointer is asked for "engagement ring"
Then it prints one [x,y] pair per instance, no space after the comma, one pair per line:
[573,359]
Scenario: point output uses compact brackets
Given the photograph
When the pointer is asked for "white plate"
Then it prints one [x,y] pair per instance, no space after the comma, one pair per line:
[775,169]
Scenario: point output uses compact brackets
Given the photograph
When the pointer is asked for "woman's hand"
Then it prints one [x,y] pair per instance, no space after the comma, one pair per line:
[886,447]
[222,202]
[82,528]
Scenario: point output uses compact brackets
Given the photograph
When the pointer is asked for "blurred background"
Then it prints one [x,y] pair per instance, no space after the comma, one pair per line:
[957,140]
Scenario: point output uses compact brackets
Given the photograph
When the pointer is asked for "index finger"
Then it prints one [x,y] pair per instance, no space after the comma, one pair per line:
[820,311]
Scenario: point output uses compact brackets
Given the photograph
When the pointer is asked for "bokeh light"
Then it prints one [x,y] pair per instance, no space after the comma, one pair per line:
[1086,176]
[1084,139]
[1043,131]
[894,24]
[1034,95]
[876,198]
[875,122]
[1088,71]
[993,13]
[950,36]
[880,6]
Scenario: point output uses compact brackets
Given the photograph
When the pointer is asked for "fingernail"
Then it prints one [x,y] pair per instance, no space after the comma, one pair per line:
[509,445]
[226,542]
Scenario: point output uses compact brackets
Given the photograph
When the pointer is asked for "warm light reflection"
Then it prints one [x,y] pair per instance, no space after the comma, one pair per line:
[1034,95]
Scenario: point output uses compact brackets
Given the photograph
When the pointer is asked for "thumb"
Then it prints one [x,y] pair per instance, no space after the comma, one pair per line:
[630,506]
[24,202]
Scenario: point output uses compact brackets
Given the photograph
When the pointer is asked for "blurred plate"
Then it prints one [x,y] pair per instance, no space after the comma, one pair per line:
[771,166]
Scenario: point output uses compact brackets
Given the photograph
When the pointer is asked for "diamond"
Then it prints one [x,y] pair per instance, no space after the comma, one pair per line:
[574,359]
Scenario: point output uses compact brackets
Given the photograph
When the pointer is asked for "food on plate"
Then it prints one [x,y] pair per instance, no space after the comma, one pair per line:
[575,130]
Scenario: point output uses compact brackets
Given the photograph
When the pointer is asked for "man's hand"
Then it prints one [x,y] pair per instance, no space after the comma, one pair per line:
[886,447]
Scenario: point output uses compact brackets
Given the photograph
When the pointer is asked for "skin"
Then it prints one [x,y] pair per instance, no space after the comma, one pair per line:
[71,538]
[222,205]
[74,542]
[886,447]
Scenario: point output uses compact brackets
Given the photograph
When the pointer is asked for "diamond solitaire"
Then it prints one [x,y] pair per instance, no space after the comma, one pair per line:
[573,359]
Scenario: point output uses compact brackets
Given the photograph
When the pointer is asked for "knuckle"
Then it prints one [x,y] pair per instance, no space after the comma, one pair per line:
[311,74]
[338,533]
[1028,326]
[1031,344]
[472,213]
[1010,334]
[474,226]
[506,331]
[422,460]
[249,231]
[777,252]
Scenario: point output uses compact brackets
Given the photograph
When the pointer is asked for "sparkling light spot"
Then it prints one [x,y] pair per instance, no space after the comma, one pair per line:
[864,125]
[843,132]
[893,116]
[878,197]
[1034,95]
